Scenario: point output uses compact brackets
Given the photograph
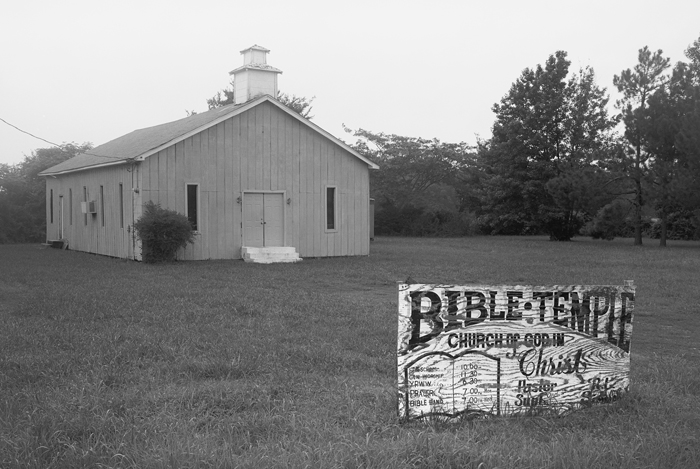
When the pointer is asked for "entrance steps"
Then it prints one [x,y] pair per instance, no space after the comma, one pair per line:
[269,255]
[56,243]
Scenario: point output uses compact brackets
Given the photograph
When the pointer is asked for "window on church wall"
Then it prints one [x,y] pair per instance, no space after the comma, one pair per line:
[85,200]
[331,209]
[192,205]
[121,205]
[102,204]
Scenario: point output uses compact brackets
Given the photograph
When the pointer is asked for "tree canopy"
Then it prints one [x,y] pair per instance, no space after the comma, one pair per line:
[539,172]
[414,189]
[662,156]
[555,162]
[298,104]
[23,193]
[637,86]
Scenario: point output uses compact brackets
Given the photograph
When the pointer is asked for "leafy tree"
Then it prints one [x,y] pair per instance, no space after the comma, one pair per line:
[23,193]
[688,144]
[637,86]
[692,53]
[662,122]
[668,140]
[409,165]
[688,137]
[300,105]
[414,187]
[610,221]
[538,172]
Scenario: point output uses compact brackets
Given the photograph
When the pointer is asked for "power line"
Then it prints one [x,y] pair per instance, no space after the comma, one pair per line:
[61,147]
[28,133]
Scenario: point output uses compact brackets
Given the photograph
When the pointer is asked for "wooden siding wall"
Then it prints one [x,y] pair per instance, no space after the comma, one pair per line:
[111,239]
[263,149]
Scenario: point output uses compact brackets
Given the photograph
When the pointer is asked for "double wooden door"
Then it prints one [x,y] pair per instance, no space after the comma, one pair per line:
[263,219]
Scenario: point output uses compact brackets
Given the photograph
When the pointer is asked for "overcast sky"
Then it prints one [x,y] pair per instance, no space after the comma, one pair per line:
[91,71]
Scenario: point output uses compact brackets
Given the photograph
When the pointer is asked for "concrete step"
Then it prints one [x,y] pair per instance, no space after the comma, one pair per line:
[269,250]
[269,255]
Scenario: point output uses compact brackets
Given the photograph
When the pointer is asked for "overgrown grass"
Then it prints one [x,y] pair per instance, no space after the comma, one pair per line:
[109,363]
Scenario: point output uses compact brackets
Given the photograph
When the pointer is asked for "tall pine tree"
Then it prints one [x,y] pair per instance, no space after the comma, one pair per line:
[637,86]
[670,137]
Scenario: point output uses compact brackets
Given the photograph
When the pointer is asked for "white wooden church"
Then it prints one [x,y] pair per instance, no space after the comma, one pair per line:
[256,180]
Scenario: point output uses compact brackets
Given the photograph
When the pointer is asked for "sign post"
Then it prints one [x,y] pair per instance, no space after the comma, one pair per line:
[470,350]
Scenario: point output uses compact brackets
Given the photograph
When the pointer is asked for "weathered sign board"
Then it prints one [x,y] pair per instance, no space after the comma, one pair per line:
[511,349]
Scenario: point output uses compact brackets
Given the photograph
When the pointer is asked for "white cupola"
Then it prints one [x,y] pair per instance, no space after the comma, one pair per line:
[255,77]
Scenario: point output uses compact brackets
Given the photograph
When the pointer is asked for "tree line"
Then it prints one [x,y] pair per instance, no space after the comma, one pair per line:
[557,163]
[23,193]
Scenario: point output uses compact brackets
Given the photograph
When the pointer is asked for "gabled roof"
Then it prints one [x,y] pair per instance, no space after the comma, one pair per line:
[142,143]
[255,47]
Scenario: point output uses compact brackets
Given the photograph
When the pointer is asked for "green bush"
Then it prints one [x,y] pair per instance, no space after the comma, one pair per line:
[611,221]
[420,221]
[681,224]
[562,227]
[162,233]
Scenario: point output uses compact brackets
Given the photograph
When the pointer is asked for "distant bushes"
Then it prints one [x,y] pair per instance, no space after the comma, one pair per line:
[682,224]
[23,193]
[615,221]
[418,221]
[612,221]
[162,233]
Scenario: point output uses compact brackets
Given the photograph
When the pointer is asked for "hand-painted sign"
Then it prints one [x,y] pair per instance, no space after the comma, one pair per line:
[505,350]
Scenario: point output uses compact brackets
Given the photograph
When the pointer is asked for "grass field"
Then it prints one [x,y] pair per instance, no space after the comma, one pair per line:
[111,363]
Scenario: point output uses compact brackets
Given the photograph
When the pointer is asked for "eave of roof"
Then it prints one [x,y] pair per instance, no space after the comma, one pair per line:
[263,67]
[59,172]
[140,144]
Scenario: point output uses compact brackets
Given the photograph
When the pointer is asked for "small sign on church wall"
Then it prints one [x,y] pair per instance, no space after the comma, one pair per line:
[470,350]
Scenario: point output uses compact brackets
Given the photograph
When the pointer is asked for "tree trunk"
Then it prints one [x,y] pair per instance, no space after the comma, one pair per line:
[638,196]
[664,228]
[638,214]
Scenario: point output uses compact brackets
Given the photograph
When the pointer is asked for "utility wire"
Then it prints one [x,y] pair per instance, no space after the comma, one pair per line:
[61,147]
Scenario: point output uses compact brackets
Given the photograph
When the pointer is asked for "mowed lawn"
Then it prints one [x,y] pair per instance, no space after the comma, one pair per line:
[112,363]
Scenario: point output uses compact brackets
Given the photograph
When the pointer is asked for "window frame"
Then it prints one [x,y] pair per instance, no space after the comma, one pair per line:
[70,206]
[85,197]
[326,208]
[102,204]
[121,205]
[198,211]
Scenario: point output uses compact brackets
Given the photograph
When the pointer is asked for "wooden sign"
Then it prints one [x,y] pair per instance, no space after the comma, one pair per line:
[506,350]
